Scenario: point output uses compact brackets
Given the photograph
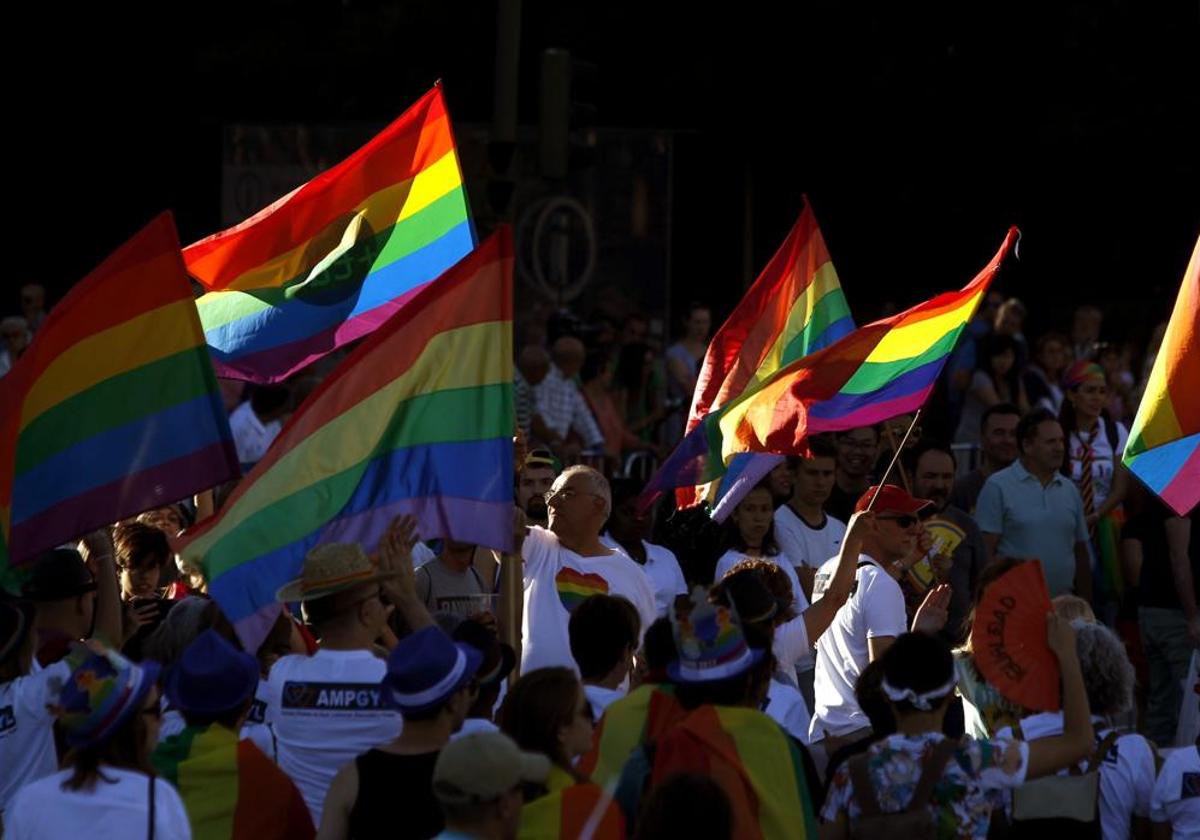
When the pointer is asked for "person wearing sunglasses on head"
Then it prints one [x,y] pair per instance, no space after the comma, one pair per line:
[873,616]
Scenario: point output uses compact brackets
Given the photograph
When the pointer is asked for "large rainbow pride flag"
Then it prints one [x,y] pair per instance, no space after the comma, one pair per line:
[882,370]
[335,258]
[417,420]
[794,308]
[114,408]
[1164,443]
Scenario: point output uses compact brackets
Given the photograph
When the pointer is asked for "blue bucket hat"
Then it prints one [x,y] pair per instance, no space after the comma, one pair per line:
[425,668]
[102,692]
[212,676]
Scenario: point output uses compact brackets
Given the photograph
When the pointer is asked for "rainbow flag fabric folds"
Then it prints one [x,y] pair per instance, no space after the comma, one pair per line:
[879,371]
[231,789]
[755,762]
[417,420]
[114,408]
[335,258]
[794,308]
[1164,444]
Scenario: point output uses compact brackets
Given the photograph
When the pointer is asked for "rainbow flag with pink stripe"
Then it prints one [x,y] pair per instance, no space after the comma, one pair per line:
[882,370]
[1164,443]
[334,259]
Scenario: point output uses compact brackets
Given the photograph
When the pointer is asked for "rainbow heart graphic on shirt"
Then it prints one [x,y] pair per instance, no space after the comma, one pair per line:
[576,587]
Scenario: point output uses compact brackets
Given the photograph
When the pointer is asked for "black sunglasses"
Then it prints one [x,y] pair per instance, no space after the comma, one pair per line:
[906,520]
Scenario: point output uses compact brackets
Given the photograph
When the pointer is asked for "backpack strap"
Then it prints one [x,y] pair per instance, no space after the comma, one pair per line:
[1102,751]
[931,772]
[864,790]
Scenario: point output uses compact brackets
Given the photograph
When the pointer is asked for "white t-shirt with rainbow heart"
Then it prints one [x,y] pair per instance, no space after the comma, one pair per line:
[556,580]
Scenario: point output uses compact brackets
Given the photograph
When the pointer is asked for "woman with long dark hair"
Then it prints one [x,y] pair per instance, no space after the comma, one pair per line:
[996,380]
[750,533]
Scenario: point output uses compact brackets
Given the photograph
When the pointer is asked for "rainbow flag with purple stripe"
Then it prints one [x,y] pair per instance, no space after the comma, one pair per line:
[879,371]
[794,308]
[114,408]
[417,420]
[1164,444]
[334,259]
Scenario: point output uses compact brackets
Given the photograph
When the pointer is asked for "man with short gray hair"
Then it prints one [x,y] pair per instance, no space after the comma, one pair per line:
[566,563]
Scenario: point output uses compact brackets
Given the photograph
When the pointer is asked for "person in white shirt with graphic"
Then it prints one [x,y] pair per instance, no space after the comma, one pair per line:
[1175,802]
[806,534]
[871,619]
[1126,761]
[327,708]
[628,532]
[566,563]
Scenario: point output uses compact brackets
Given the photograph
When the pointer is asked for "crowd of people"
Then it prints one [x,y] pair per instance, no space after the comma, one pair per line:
[803,668]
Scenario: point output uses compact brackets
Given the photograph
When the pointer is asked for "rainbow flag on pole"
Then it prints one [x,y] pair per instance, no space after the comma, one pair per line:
[335,258]
[418,420]
[879,371]
[1164,444]
[114,408]
[794,308]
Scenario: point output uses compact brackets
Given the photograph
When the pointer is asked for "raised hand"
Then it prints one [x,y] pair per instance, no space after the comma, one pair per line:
[934,611]
[1060,636]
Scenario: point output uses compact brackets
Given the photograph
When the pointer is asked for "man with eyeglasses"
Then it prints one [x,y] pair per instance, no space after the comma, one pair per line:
[872,617]
[566,562]
[856,453]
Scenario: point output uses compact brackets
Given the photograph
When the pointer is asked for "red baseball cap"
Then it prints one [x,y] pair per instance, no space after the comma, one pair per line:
[892,499]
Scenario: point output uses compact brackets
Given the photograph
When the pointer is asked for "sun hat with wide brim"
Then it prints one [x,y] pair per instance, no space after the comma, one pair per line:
[332,568]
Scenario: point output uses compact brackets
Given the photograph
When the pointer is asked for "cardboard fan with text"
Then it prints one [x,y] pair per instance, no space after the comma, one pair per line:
[1008,639]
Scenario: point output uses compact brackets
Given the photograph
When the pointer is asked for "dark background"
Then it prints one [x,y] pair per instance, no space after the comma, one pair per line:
[919,131]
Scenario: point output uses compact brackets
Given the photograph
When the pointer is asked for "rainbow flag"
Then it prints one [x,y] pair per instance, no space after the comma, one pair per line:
[231,790]
[1164,444]
[571,810]
[640,717]
[879,371]
[334,259]
[794,308]
[753,760]
[417,420]
[114,408]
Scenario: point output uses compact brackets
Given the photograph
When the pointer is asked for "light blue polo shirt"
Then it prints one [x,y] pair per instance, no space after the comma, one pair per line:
[1034,521]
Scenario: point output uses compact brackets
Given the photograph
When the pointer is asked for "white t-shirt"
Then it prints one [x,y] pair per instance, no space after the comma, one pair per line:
[731,558]
[875,609]
[1102,458]
[118,809]
[786,706]
[1176,796]
[1126,775]
[666,578]
[27,729]
[326,709]
[256,729]
[803,544]
[791,648]
[601,698]
[556,581]
[250,437]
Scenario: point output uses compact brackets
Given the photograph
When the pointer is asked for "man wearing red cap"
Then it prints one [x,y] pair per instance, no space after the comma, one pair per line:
[872,617]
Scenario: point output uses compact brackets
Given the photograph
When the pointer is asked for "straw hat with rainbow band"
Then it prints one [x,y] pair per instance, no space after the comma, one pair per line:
[710,642]
[103,690]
